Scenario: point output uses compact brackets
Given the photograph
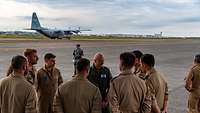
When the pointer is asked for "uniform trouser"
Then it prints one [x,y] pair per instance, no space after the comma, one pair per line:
[193,103]
[45,105]
[75,63]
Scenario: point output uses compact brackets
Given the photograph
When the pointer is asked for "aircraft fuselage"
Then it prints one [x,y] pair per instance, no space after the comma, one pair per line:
[52,33]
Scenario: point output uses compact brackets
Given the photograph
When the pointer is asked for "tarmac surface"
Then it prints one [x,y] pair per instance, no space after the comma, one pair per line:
[173,58]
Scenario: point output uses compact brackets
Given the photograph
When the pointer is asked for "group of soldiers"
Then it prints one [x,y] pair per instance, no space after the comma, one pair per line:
[138,88]
[27,90]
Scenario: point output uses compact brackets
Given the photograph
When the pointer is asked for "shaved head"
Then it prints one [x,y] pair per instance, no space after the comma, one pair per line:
[98,60]
[98,56]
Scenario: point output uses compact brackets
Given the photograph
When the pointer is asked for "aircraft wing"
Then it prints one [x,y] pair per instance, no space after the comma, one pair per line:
[36,29]
[75,31]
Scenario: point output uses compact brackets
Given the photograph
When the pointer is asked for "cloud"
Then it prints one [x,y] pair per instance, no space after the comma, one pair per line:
[195,19]
[20,11]
[105,16]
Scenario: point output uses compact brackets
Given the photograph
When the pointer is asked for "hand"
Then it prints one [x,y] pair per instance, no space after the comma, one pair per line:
[188,88]
[164,111]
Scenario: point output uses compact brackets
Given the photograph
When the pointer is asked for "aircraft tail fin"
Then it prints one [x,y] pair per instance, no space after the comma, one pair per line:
[35,24]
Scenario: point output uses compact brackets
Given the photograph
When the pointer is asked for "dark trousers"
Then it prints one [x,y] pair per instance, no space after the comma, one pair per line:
[106,110]
[75,63]
[74,69]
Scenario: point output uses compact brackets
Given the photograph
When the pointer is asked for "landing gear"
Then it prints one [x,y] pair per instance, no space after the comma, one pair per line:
[59,37]
[53,38]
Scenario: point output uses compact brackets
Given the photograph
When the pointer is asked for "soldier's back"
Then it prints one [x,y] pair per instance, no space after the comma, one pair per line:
[15,92]
[130,91]
[79,96]
[78,53]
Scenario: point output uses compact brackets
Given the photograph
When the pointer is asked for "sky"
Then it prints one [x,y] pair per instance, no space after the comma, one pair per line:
[146,17]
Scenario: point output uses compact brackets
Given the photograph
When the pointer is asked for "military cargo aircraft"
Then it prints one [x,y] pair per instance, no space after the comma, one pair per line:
[52,33]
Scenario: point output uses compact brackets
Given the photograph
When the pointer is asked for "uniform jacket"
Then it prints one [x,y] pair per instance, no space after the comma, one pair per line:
[158,86]
[47,84]
[78,53]
[193,80]
[17,95]
[129,94]
[77,96]
[138,72]
[31,76]
[100,78]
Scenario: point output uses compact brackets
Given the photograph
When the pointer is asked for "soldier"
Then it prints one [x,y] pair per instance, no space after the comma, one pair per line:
[31,55]
[101,76]
[78,95]
[193,86]
[137,71]
[78,53]
[17,95]
[157,84]
[128,93]
[49,78]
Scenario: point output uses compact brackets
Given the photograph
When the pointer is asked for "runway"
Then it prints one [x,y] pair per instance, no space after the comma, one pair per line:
[173,58]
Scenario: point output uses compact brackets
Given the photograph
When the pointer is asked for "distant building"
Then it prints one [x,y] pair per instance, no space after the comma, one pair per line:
[149,36]
[2,32]
[158,35]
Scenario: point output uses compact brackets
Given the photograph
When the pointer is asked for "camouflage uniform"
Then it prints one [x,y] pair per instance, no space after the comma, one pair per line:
[48,82]
[78,53]
[31,75]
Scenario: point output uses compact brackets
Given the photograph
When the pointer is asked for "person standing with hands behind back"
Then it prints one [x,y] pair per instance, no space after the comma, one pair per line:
[77,55]
[193,86]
